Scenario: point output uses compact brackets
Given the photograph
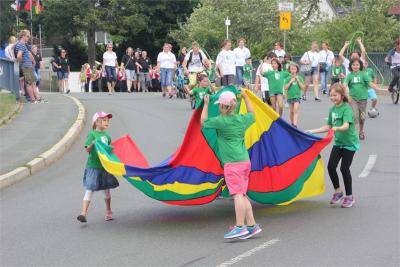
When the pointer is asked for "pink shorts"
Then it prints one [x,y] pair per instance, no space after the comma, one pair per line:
[237,176]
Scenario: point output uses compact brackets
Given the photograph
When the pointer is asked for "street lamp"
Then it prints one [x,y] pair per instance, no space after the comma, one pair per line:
[227,24]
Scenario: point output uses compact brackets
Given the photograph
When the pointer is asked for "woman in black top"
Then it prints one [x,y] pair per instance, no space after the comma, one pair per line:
[136,82]
[128,63]
[181,56]
[36,67]
[144,64]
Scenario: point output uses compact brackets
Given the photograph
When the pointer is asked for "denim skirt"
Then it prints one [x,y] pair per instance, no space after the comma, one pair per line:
[98,179]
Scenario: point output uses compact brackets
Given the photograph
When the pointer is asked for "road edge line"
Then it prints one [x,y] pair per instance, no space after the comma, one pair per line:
[51,155]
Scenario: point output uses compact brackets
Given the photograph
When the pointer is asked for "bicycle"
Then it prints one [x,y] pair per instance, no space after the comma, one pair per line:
[396,90]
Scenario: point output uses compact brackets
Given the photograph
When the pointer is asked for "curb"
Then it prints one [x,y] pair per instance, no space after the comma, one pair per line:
[47,158]
[11,114]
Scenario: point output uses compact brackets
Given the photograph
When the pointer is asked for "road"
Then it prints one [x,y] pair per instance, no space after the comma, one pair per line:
[38,215]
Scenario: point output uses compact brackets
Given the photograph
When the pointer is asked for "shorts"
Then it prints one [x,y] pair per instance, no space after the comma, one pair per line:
[28,75]
[247,82]
[314,71]
[360,110]
[62,75]
[227,80]
[275,94]
[237,176]
[130,75]
[293,100]
[372,94]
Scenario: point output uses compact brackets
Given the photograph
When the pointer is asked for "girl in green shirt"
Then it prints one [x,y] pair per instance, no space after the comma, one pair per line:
[358,81]
[96,178]
[276,78]
[235,158]
[346,143]
[294,85]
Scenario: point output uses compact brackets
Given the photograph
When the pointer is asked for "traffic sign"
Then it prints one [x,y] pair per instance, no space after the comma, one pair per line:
[285,21]
[284,7]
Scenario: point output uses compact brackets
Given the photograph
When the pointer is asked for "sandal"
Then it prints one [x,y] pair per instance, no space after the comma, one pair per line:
[81,218]
[109,216]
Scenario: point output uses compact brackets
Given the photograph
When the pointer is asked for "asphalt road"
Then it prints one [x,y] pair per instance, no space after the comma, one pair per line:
[34,130]
[38,215]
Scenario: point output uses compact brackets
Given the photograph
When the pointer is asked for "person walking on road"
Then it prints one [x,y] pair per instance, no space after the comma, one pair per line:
[62,68]
[226,64]
[166,64]
[326,58]
[241,54]
[95,177]
[128,63]
[346,143]
[144,65]
[311,59]
[110,65]
[235,158]
[358,81]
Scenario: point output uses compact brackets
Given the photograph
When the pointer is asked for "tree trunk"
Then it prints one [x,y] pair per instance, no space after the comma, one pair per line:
[91,45]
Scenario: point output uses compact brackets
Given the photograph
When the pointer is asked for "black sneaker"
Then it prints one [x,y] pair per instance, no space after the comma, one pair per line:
[390,89]
[81,218]
[324,92]
[317,99]
[68,91]
[304,97]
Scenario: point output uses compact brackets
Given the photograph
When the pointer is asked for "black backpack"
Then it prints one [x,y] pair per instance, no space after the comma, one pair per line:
[54,68]
[191,55]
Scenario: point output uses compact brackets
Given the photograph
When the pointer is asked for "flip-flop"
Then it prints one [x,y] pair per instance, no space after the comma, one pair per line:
[109,216]
[81,218]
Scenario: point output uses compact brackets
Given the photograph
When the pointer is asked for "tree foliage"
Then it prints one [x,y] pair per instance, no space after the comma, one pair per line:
[258,22]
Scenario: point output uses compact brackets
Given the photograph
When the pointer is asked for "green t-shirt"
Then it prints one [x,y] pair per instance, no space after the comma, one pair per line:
[346,139]
[93,159]
[230,135]
[336,71]
[371,73]
[247,71]
[275,81]
[294,91]
[358,84]
[199,93]
[211,74]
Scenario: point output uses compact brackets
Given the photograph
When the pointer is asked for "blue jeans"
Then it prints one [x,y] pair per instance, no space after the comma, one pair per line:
[111,74]
[324,79]
[36,72]
[166,77]
[239,75]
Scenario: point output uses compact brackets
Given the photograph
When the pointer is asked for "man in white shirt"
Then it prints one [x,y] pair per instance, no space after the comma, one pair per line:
[226,64]
[241,54]
[193,64]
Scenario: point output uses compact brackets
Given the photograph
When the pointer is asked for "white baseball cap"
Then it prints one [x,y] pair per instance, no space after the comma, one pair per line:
[101,114]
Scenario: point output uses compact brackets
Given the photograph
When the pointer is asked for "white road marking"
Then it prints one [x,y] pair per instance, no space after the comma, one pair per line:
[368,167]
[249,253]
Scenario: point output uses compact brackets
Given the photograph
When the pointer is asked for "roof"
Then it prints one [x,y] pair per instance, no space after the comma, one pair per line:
[394,10]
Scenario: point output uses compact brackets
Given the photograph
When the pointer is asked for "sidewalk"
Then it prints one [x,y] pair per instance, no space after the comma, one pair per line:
[34,130]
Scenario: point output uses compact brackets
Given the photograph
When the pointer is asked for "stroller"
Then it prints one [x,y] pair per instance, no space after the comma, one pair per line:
[180,83]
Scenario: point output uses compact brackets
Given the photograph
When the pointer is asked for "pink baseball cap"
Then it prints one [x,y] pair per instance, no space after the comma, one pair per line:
[101,114]
[226,98]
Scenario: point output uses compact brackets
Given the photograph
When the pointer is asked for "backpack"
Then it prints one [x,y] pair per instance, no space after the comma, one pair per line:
[191,55]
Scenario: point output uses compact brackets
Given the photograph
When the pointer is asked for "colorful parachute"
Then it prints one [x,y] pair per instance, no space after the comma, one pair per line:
[285,162]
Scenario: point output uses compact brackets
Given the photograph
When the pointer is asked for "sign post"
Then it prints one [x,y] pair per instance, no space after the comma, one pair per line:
[227,24]
[285,19]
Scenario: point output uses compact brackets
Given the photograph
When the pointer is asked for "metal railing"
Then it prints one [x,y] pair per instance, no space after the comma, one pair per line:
[9,73]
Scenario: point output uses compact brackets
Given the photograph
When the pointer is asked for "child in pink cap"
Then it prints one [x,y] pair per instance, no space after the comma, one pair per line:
[231,128]
[95,177]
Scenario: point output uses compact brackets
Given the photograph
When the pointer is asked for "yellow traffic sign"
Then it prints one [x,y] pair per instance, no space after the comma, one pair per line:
[285,21]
